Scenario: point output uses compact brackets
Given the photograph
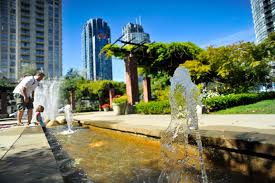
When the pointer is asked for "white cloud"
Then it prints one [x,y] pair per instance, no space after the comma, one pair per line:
[244,35]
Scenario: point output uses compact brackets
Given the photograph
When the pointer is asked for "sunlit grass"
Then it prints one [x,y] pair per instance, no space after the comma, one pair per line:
[262,107]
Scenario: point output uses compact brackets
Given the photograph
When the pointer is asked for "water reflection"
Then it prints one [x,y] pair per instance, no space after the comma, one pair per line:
[108,156]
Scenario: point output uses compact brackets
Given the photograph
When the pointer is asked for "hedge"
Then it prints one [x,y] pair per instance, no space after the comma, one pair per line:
[212,104]
[154,107]
[232,100]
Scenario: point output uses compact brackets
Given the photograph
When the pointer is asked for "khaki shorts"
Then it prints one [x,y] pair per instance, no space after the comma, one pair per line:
[21,105]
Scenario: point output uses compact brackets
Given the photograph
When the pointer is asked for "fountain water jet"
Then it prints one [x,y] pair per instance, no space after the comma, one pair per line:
[47,95]
[69,119]
[184,98]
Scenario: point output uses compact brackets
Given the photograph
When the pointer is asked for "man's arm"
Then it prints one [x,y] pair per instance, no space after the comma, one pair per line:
[26,98]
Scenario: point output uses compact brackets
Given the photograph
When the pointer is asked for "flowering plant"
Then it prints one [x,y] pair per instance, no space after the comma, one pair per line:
[105,106]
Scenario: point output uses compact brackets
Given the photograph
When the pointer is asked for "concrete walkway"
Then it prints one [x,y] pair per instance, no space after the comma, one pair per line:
[26,156]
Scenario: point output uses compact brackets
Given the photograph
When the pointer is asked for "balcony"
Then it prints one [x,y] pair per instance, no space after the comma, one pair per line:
[25,45]
[24,38]
[25,4]
[39,46]
[39,40]
[25,58]
[39,28]
[39,9]
[39,59]
[25,19]
[40,34]
[25,25]
[25,30]
[25,51]
[270,29]
[39,16]
[39,22]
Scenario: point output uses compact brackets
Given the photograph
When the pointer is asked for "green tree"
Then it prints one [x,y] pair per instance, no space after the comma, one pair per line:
[236,67]
[70,83]
[266,50]
[27,70]
[6,84]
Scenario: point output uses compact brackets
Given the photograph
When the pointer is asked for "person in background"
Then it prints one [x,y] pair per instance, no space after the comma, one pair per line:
[24,94]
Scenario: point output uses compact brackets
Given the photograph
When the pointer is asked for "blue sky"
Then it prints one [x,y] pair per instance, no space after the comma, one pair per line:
[204,22]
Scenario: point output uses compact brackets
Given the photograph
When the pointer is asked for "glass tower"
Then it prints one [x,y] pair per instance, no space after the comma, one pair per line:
[8,39]
[134,33]
[31,33]
[264,18]
[95,35]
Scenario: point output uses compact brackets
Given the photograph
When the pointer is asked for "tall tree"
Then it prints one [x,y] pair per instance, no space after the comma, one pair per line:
[236,66]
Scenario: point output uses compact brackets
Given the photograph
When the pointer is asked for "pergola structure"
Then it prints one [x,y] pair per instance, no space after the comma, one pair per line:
[132,75]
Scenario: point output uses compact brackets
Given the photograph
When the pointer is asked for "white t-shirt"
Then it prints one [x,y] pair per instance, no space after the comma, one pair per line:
[28,82]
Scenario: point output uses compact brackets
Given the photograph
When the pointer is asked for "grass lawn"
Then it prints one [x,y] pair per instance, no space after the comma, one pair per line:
[262,107]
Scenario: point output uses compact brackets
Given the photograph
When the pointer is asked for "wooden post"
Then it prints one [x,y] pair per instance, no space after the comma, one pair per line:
[111,95]
[72,99]
[131,80]
[3,102]
[146,89]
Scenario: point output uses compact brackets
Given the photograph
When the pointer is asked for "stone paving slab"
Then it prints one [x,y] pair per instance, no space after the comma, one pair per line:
[29,159]
[227,126]
[8,138]
[258,121]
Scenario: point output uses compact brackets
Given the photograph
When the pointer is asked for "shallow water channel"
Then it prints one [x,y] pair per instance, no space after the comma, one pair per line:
[108,156]
[112,156]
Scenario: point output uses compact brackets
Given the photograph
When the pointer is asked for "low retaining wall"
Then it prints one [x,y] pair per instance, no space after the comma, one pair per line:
[237,156]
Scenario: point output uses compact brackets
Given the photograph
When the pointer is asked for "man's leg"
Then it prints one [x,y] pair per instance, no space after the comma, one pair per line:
[20,107]
[19,116]
[29,116]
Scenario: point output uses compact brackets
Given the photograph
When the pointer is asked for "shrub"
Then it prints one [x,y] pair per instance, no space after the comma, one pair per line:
[231,100]
[85,109]
[120,100]
[154,107]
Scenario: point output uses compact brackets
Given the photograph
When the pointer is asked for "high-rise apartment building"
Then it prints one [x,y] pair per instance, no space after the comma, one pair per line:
[8,38]
[135,33]
[264,18]
[95,35]
[31,33]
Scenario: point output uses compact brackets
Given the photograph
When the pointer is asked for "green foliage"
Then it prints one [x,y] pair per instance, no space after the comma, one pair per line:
[154,107]
[6,84]
[70,83]
[120,100]
[114,50]
[236,66]
[155,57]
[231,100]
[262,107]
[27,70]
[160,86]
[100,89]
[89,90]
[79,108]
